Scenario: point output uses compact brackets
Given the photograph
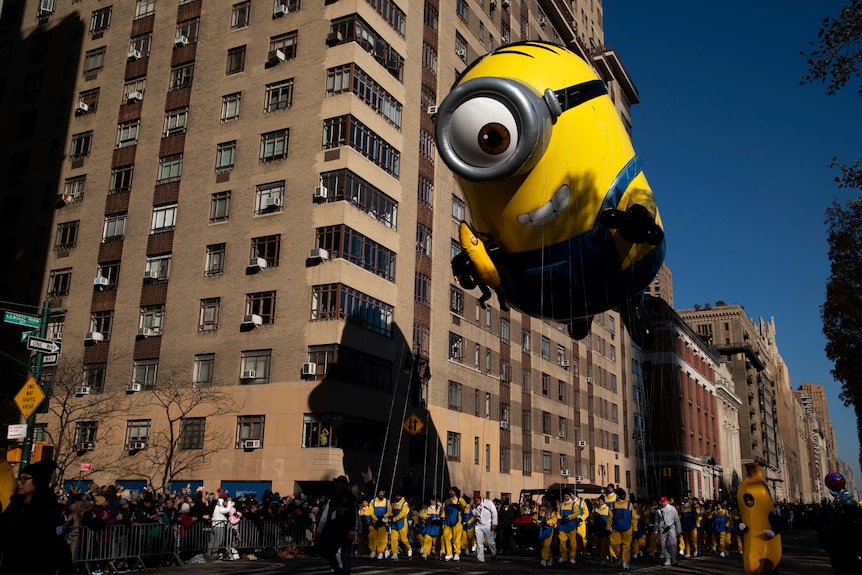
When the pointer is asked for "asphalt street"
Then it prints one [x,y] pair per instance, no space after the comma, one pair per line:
[802,555]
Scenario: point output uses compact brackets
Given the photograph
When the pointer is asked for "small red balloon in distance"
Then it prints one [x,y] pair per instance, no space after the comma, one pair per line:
[835,481]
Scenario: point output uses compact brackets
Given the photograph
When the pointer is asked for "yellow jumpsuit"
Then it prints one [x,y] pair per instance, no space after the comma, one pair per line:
[600,532]
[620,523]
[572,528]
[364,543]
[398,527]
[378,533]
[468,530]
[546,519]
[452,510]
[433,527]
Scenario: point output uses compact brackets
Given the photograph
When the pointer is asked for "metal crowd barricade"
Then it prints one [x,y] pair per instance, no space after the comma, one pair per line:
[120,548]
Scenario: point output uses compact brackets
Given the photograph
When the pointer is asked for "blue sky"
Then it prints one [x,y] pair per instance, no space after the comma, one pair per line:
[737,153]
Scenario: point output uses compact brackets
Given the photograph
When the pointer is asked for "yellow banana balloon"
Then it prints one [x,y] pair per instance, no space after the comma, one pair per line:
[760,552]
[482,263]
[7,483]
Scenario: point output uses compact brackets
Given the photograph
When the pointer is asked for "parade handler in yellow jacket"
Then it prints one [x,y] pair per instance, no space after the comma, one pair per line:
[398,526]
[572,526]
[620,523]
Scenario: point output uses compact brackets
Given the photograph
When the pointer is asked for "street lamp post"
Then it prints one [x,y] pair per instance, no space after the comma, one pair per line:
[711,463]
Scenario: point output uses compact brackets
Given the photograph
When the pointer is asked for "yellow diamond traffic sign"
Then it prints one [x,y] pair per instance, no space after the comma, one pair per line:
[413,424]
[29,398]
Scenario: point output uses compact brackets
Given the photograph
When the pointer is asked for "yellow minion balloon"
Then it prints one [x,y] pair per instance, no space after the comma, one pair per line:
[568,222]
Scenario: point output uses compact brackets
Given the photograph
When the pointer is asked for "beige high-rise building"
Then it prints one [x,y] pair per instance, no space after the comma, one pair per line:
[237,216]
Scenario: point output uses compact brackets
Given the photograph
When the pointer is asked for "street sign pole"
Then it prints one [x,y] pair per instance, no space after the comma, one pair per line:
[27,448]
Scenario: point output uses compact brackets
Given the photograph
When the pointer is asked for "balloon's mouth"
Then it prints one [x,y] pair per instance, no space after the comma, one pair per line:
[549,212]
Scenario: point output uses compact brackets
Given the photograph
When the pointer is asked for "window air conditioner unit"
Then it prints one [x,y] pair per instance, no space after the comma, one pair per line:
[582,444]
[505,3]
[133,387]
[579,478]
[134,54]
[564,472]
[135,96]
[280,10]
[334,38]
[318,254]
[134,445]
[461,52]
[146,332]
[542,20]
[589,380]
[180,40]
[100,281]
[432,110]
[272,203]
[320,192]
[275,56]
[504,425]
[251,444]
[81,108]
[252,319]
[564,363]
[82,390]
[93,337]
[248,374]
[151,275]
[309,368]
[259,263]
[493,4]
[86,446]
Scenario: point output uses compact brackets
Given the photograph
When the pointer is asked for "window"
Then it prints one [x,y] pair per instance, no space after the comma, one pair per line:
[55,327]
[176,120]
[341,302]
[422,289]
[67,236]
[90,98]
[189,29]
[181,76]
[170,169]
[220,207]
[94,376]
[475,451]
[456,300]
[423,239]
[235,60]
[230,104]
[100,20]
[453,446]
[164,218]
[81,145]
[204,369]
[249,427]
[525,341]
[279,95]
[526,463]
[352,78]
[214,265]
[458,209]
[59,282]
[546,462]
[546,348]
[94,60]
[425,192]
[137,434]
[127,133]
[85,435]
[454,395]
[461,47]
[561,390]
[456,344]
[262,304]
[144,8]
[258,362]
[102,322]
[152,317]
[239,16]
[504,330]
[142,44]
[426,146]
[462,9]
[144,373]
[429,58]
[269,196]
[159,266]
[268,248]
[73,188]
[226,156]
[115,227]
[192,432]
[286,43]
[546,384]
[526,380]
[121,179]
[135,85]
[208,320]
[273,145]
[347,130]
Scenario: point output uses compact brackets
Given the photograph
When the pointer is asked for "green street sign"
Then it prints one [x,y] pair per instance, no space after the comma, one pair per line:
[22,319]
[25,335]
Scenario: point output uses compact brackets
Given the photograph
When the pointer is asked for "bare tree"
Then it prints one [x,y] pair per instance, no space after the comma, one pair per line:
[75,421]
[179,441]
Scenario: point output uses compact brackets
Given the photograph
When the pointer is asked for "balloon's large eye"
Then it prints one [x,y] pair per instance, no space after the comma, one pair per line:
[484,133]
